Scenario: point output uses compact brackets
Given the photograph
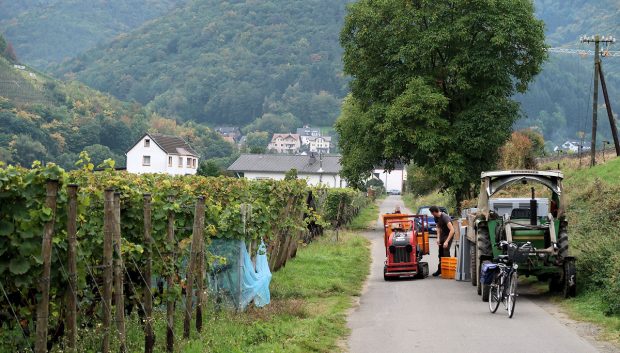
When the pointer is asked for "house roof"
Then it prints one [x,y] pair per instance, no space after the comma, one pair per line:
[305,164]
[173,144]
[306,131]
[314,138]
[284,136]
[170,144]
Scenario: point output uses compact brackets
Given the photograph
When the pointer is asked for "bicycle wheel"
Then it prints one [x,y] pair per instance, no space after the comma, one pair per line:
[495,296]
[512,294]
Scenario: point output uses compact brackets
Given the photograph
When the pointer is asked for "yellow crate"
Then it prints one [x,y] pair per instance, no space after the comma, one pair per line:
[448,267]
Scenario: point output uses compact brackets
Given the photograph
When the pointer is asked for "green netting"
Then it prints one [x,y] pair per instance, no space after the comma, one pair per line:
[233,279]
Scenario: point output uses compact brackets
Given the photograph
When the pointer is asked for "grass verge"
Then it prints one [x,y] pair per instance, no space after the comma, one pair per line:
[310,298]
[366,217]
[590,306]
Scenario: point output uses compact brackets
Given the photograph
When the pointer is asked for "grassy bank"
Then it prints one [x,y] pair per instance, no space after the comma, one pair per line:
[310,297]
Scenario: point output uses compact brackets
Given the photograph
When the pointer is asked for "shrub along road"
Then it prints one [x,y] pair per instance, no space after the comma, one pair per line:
[438,315]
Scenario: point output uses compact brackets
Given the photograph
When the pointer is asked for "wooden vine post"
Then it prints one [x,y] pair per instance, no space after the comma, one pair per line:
[108,235]
[200,263]
[51,188]
[170,280]
[149,337]
[119,297]
[71,318]
[197,234]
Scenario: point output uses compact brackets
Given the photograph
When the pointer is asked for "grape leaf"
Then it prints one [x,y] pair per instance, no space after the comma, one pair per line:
[19,265]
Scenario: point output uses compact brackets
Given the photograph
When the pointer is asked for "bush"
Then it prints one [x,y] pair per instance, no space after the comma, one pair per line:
[339,206]
[520,151]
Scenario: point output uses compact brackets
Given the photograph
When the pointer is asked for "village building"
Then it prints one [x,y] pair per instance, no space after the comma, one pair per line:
[315,169]
[316,144]
[157,153]
[285,143]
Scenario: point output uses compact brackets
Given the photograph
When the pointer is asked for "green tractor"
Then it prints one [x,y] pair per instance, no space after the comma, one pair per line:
[540,221]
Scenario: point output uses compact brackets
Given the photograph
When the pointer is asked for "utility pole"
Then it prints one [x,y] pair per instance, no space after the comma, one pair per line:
[597,40]
[610,115]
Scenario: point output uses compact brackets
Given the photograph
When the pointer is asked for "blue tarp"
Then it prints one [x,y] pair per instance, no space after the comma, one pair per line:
[255,281]
[233,279]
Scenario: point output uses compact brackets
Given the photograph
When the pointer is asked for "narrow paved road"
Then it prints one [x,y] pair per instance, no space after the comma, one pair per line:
[438,315]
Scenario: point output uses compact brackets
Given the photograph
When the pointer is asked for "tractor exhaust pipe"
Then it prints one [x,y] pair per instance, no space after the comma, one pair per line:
[533,209]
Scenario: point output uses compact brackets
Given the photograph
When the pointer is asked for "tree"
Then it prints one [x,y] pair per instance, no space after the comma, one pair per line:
[3,44]
[9,52]
[432,82]
[99,153]
[26,150]
[419,182]
[274,123]
[209,168]
[256,142]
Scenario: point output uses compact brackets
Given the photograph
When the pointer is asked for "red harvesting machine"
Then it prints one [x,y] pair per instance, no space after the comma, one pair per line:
[406,241]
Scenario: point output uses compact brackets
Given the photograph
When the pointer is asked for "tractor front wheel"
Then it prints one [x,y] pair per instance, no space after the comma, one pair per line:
[472,264]
[570,279]
[483,250]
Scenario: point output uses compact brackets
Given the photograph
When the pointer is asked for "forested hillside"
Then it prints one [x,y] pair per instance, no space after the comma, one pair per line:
[48,31]
[234,62]
[43,119]
[559,102]
[228,62]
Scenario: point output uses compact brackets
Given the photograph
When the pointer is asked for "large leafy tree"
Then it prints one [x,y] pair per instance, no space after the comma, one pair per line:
[432,82]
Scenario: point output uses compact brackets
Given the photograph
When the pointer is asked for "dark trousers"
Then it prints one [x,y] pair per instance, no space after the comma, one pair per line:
[443,252]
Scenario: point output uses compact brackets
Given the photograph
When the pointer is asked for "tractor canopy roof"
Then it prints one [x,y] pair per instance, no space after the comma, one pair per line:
[492,182]
[497,180]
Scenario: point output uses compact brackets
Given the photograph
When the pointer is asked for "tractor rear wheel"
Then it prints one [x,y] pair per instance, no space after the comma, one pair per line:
[483,250]
[570,279]
[472,264]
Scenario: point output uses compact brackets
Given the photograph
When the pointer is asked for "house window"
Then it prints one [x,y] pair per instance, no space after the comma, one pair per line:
[147,143]
[169,161]
[194,162]
[189,162]
[180,162]
[146,160]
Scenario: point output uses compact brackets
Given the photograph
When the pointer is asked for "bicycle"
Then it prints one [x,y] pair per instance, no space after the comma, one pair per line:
[503,288]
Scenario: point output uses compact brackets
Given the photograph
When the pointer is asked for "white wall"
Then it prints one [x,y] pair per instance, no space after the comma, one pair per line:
[159,160]
[176,170]
[392,180]
[330,180]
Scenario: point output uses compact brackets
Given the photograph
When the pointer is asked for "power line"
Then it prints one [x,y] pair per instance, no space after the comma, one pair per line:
[582,52]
